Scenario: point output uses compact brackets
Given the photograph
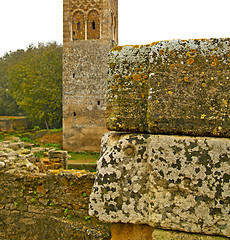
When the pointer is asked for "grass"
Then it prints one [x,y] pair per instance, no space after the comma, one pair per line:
[91,157]
[1,136]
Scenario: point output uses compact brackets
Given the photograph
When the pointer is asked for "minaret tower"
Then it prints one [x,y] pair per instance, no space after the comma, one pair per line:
[90,30]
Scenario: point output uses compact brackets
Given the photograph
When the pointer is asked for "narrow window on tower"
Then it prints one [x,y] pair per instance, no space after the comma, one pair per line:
[78,26]
[93,25]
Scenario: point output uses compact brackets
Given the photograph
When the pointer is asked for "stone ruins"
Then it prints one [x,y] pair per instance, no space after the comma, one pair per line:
[166,163]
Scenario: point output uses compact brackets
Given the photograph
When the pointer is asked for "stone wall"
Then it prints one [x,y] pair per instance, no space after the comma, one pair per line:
[48,206]
[10,124]
[149,172]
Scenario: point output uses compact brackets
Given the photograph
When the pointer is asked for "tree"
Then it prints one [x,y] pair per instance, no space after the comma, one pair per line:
[35,83]
[8,106]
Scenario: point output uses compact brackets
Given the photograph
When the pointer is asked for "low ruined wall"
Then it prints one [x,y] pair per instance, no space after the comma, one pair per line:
[10,124]
[48,206]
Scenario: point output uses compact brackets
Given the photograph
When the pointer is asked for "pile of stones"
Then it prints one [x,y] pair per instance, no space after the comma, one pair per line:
[21,157]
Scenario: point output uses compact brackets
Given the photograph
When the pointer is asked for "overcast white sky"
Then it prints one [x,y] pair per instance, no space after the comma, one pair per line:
[140,21]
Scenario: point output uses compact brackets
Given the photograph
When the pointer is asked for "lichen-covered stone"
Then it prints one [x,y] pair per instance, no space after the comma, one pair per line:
[171,87]
[170,182]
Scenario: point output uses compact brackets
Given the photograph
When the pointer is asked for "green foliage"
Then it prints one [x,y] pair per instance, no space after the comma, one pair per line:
[37,128]
[84,155]
[35,82]
[8,106]
[1,136]
[66,211]
[53,145]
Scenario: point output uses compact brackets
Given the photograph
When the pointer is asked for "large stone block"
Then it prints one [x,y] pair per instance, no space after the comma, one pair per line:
[171,87]
[168,182]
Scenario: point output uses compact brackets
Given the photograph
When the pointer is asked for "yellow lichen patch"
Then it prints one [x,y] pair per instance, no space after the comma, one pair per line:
[117,48]
[188,54]
[136,77]
[77,173]
[154,43]
[157,101]
[111,65]
[161,52]
[127,77]
[172,65]
[186,79]
[116,76]
[213,64]
[190,61]
[112,87]
[202,116]
[193,50]
[170,92]
[203,84]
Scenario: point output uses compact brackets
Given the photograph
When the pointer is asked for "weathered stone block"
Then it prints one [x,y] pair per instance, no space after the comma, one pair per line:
[172,235]
[171,87]
[170,182]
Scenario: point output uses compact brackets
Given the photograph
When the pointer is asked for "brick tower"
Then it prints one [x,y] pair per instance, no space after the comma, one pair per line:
[90,31]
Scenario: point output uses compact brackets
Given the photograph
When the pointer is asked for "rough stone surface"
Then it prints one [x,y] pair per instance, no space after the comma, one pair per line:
[171,87]
[15,158]
[170,182]
[10,124]
[48,206]
[121,231]
[172,235]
